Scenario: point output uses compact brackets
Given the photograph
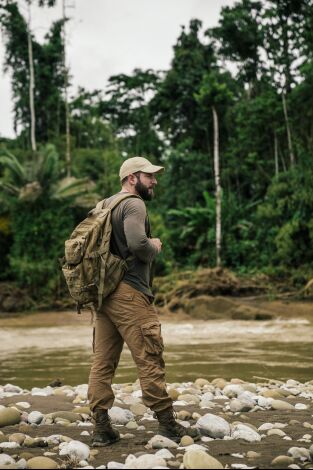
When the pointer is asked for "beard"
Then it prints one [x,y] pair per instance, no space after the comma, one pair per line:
[145,193]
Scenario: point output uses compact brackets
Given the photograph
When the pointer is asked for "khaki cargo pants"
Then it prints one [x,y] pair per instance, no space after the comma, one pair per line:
[127,315]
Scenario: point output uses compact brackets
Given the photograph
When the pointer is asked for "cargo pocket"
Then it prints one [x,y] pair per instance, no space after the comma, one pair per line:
[152,338]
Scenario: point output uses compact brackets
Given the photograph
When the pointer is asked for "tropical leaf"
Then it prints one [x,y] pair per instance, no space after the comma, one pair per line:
[71,187]
[17,172]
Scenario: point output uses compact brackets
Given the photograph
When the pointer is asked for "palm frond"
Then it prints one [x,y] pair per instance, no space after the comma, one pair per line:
[9,188]
[16,170]
[71,187]
[47,165]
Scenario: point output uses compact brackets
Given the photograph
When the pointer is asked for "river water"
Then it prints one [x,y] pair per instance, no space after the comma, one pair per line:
[280,349]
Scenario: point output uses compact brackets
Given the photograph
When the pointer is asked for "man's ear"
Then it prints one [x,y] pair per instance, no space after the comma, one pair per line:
[132,179]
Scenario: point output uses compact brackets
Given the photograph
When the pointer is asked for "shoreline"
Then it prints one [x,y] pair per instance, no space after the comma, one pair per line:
[258,423]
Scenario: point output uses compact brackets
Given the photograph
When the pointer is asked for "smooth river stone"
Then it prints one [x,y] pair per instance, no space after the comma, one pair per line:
[241,431]
[186,441]
[201,382]
[276,432]
[41,462]
[6,459]
[120,416]
[75,450]
[138,409]
[200,459]
[66,415]
[240,406]
[274,393]
[17,437]
[280,405]
[85,410]
[145,461]
[213,426]
[35,417]
[161,442]
[9,417]
[282,461]
[191,399]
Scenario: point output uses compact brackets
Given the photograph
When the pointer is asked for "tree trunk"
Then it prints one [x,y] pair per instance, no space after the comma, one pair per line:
[218,189]
[276,154]
[31,84]
[67,113]
[290,146]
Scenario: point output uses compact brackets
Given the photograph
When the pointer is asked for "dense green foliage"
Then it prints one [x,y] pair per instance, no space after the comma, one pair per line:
[255,68]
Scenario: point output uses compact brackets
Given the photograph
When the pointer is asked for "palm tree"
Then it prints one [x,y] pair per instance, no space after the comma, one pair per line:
[43,177]
[41,206]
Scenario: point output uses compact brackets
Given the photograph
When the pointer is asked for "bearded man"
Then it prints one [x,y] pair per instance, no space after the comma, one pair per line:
[128,314]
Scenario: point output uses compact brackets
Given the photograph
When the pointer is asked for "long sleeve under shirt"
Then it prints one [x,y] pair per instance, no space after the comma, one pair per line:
[130,237]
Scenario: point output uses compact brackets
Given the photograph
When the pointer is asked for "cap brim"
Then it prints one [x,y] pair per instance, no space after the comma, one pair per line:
[152,169]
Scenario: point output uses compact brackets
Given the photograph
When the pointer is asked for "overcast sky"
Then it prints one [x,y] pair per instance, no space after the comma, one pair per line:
[107,37]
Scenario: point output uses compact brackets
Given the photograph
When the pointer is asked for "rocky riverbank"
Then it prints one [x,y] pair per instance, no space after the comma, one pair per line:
[267,424]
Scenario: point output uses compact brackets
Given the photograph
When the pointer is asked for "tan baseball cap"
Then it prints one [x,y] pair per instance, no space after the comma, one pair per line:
[132,165]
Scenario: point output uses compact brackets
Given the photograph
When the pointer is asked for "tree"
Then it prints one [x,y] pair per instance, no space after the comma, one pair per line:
[41,204]
[215,94]
[48,74]
[239,39]
[127,108]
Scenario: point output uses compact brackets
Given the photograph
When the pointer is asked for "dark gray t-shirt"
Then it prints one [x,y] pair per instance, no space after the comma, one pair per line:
[130,237]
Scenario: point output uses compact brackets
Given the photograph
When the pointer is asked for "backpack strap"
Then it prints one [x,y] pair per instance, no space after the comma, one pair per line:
[116,201]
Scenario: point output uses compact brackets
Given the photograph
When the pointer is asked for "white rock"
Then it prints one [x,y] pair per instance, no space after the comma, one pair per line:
[42,392]
[120,416]
[144,461]
[238,405]
[9,388]
[9,445]
[161,442]
[264,402]
[292,383]
[23,404]
[233,390]
[240,466]
[22,463]
[299,453]
[206,399]
[194,447]
[74,449]
[200,459]
[81,391]
[266,427]
[6,459]
[35,417]
[241,431]
[84,463]
[301,406]
[85,433]
[213,426]
[164,454]
[113,465]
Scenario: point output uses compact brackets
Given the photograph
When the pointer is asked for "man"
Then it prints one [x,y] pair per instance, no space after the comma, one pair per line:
[129,315]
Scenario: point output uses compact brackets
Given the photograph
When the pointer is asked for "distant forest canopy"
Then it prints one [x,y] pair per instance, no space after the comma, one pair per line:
[254,69]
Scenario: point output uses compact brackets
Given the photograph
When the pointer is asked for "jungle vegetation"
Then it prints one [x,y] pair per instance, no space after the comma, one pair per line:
[254,69]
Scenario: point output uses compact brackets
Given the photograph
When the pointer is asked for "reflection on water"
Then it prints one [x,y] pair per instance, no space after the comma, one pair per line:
[31,367]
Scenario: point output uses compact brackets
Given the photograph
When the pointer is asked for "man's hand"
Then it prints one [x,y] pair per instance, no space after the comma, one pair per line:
[157,243]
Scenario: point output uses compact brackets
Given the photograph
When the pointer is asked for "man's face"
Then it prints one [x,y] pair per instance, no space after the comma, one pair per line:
[145,185]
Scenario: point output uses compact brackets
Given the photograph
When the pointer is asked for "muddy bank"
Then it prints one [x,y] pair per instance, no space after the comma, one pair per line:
[182,291]
[274,419]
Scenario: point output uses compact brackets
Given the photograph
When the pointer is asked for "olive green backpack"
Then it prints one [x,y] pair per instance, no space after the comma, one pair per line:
[91,271]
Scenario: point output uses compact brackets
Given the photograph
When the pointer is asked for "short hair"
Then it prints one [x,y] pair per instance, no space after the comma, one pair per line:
[124,180]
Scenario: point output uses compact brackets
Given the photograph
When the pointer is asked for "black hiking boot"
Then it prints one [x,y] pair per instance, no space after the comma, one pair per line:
[168,426]
[103,434]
